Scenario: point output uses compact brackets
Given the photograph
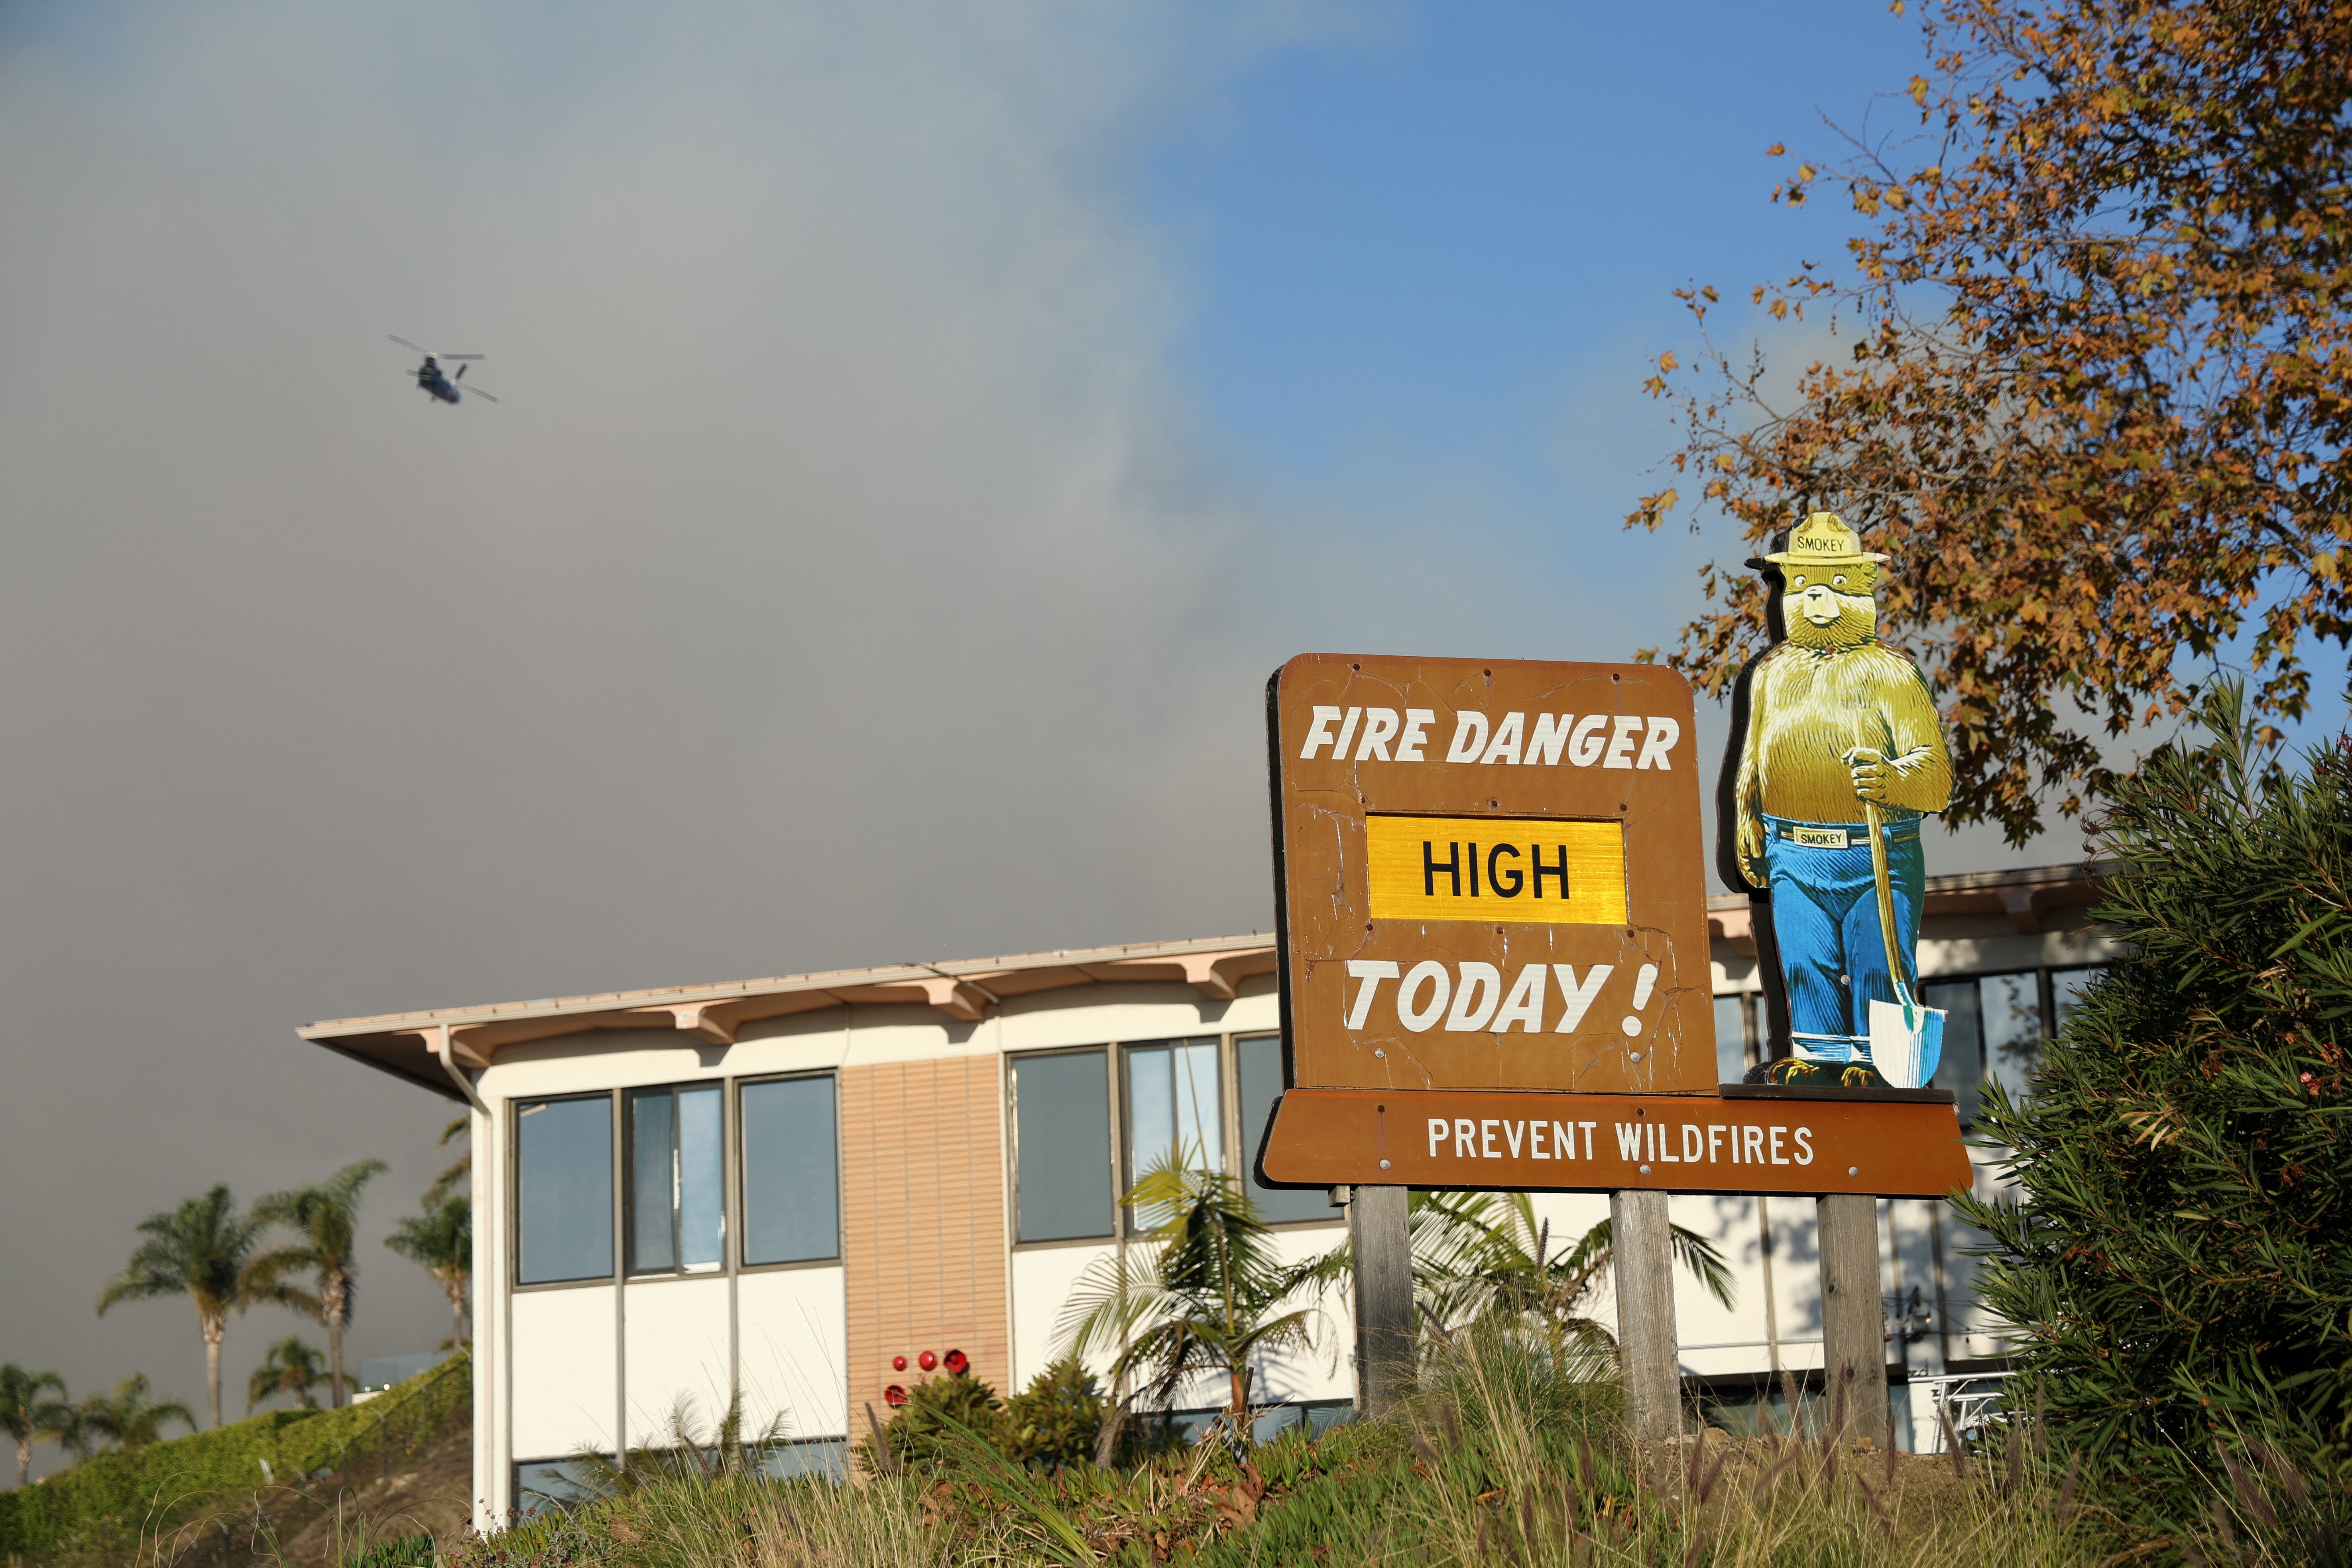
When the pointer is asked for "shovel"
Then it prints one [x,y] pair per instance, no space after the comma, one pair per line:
[1906,1040]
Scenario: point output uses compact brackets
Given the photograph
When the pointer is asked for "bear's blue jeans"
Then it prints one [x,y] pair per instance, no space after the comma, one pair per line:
[1825,918]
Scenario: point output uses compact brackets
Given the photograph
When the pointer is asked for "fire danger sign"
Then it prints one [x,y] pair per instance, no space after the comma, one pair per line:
[1489,876]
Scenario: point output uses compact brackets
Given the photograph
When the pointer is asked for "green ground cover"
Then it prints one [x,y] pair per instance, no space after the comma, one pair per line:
[164,1482]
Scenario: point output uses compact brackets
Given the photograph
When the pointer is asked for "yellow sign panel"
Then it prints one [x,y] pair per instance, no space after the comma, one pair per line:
[1535,871]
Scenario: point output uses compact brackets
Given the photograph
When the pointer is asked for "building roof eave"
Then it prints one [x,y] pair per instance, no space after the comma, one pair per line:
[963,990]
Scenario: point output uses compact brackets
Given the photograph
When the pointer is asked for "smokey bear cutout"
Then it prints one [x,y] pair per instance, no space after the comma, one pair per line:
[1836,756]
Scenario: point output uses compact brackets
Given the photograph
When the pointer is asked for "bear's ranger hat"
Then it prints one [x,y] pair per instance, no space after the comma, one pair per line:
[1824,540]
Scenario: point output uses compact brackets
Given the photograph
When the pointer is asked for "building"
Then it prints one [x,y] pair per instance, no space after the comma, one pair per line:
[815,1188]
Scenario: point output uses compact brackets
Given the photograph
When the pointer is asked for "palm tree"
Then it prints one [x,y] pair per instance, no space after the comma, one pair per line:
[291,1367]
[1483,1256]
[457,1170]
[1205,1292]
[128,1418]
[441,1239]
[25,1414]
[203,1250]
[326,1216]
[62,1423]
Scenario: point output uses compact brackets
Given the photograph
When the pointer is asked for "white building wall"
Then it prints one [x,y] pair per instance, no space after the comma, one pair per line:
[1043,1277]
[793,1349]
[678,1349]
[1716,1337]
[1978,1333]
[566,1375]
[1328,1369]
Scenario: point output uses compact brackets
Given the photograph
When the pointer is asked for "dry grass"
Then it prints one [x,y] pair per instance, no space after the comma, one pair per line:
[1542,1499]
[1505,1455]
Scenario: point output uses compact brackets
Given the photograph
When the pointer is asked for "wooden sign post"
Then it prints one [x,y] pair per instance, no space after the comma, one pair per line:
[1495,975]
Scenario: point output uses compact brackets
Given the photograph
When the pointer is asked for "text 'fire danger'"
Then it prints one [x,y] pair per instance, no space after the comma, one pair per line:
[1613,740]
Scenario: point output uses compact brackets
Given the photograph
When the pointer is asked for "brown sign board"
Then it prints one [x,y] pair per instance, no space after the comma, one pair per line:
[1682,1144]
[1490,875]
[1491,910]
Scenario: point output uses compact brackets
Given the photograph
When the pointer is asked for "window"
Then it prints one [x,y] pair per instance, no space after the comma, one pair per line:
[677,1186]
[1204,1099]
[792,1171]
[825,1456]
[553,1486]
[1995,1025]
[1062,1146]
[1734,1042]
[1961,1066]
[1173,1106]
[564,1154]
[2066,988]
[1257,1072]
[2012,1030]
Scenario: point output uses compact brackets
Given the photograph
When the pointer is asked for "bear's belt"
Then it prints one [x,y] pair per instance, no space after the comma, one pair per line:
[1828,836]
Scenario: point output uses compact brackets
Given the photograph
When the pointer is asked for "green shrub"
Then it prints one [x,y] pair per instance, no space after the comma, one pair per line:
[1057,1420]
[1051,1424]
[917,1434]
[161,1483]
[2178,1265]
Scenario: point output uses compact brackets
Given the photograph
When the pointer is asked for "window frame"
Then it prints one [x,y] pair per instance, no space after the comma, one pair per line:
[738,1196]
[1240,1146]
[2044,1025]
[678,1269]
[1241,1143]
[513,1164]
[1013,1059]
[2050,973]
[1752,1029]
[1123,1114]
[550,1504]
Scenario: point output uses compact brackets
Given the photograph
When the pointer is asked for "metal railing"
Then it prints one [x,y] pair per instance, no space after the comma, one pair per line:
[1967,1403]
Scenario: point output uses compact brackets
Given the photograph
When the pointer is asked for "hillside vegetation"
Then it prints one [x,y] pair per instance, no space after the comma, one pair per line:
[169,1482]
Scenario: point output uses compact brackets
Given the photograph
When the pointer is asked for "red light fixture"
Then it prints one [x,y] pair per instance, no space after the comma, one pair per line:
[927,1361]
[958,1363]
[894,1396]
[898,1363]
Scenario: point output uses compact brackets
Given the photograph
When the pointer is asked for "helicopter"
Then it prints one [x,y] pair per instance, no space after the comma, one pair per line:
[429,379]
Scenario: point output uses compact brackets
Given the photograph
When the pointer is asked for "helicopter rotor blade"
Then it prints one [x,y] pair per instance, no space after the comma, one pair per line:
[403,343]
[473,391]
[461,356]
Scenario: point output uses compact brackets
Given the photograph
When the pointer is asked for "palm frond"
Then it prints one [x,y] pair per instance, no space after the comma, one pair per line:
[198,1249]
[289,1367]
[23,1405]
[1204,1291]
[1698,1255]
[1480,1257]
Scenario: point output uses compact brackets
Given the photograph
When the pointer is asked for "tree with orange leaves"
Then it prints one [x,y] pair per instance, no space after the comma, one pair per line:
[2093,383]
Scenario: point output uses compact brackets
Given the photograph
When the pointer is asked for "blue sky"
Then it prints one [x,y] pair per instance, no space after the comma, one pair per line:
[1437,248]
